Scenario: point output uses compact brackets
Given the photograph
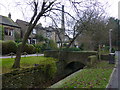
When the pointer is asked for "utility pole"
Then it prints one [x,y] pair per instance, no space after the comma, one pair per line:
[118,37]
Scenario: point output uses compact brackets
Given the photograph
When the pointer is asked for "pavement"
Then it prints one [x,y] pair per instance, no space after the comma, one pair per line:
[22,56]
[114,83]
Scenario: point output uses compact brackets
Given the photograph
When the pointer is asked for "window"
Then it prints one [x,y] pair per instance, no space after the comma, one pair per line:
[32,41]
[48,35]
[8,32]
[34,31]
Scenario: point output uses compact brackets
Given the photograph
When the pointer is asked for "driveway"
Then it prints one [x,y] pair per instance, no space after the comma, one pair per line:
[22,55]
[115,78]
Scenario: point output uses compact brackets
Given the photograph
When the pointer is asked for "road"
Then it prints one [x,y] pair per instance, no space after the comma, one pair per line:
[22,55]
[115,78]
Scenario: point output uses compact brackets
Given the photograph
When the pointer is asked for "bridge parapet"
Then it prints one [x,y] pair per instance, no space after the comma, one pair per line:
[71,56]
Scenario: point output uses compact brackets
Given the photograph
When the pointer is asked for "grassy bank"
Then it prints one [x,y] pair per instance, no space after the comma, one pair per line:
[94,77]
[25,62]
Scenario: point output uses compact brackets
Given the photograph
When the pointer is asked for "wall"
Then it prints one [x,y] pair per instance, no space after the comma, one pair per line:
[105,57]
[29,77]
[68,59]
[81,56]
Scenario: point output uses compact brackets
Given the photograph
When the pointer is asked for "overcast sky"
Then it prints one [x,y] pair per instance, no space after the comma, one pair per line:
[7,6]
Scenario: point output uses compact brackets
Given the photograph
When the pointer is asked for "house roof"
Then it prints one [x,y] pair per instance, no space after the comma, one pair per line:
[7,21]
[18,21]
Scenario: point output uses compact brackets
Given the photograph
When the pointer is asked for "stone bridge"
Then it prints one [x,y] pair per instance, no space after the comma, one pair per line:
[71,56]
[70,61]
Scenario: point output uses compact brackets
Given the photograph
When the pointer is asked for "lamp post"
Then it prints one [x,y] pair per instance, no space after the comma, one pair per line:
[110,40]
[118,37]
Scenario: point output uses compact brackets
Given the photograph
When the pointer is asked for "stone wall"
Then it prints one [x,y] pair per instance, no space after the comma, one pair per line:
[70,56]
[105,57]
[29,77]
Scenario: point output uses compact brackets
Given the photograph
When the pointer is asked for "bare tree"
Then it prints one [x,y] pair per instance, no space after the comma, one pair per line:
[51,8]
[84,13]
[93,10]
[46,7]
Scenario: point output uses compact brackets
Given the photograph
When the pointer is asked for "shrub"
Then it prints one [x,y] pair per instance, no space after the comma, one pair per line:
[38,50]
[49,45]
[40,38]
[28,48]
[81,46]
[52,45]
[44,47]
[4,48]
[1,33]
[18,40]
[40,47]
[8,47]
[106,48]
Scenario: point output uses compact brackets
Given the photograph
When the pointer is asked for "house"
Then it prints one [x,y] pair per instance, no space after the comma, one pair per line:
[38,30]
[7,27]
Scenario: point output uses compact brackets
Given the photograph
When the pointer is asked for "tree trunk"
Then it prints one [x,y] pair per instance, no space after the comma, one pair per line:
[21,48]
[71,42]
[17,59]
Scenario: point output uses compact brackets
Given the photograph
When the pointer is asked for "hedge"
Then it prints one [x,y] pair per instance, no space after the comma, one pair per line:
[11,46]
[29,48]
[8,47]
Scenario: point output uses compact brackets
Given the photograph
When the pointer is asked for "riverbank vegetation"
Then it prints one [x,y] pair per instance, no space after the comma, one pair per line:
[96,76]
[26,62]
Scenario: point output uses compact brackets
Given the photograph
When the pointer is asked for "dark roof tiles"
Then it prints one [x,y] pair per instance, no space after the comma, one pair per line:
[7,21]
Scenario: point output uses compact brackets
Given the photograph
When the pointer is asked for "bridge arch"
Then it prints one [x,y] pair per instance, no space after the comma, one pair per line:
[73,67]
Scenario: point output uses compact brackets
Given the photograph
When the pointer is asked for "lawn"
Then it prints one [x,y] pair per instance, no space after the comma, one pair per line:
[25,62]
[95,77]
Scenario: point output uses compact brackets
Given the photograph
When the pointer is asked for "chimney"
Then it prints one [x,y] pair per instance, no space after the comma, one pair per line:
[63,25]
[9,15]
[62,22]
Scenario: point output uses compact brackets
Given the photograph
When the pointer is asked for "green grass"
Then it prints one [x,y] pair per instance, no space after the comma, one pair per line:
[95,77]
[25,62]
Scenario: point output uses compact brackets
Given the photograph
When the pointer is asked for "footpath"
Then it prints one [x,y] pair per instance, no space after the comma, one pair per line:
[114,83]
[22,56]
